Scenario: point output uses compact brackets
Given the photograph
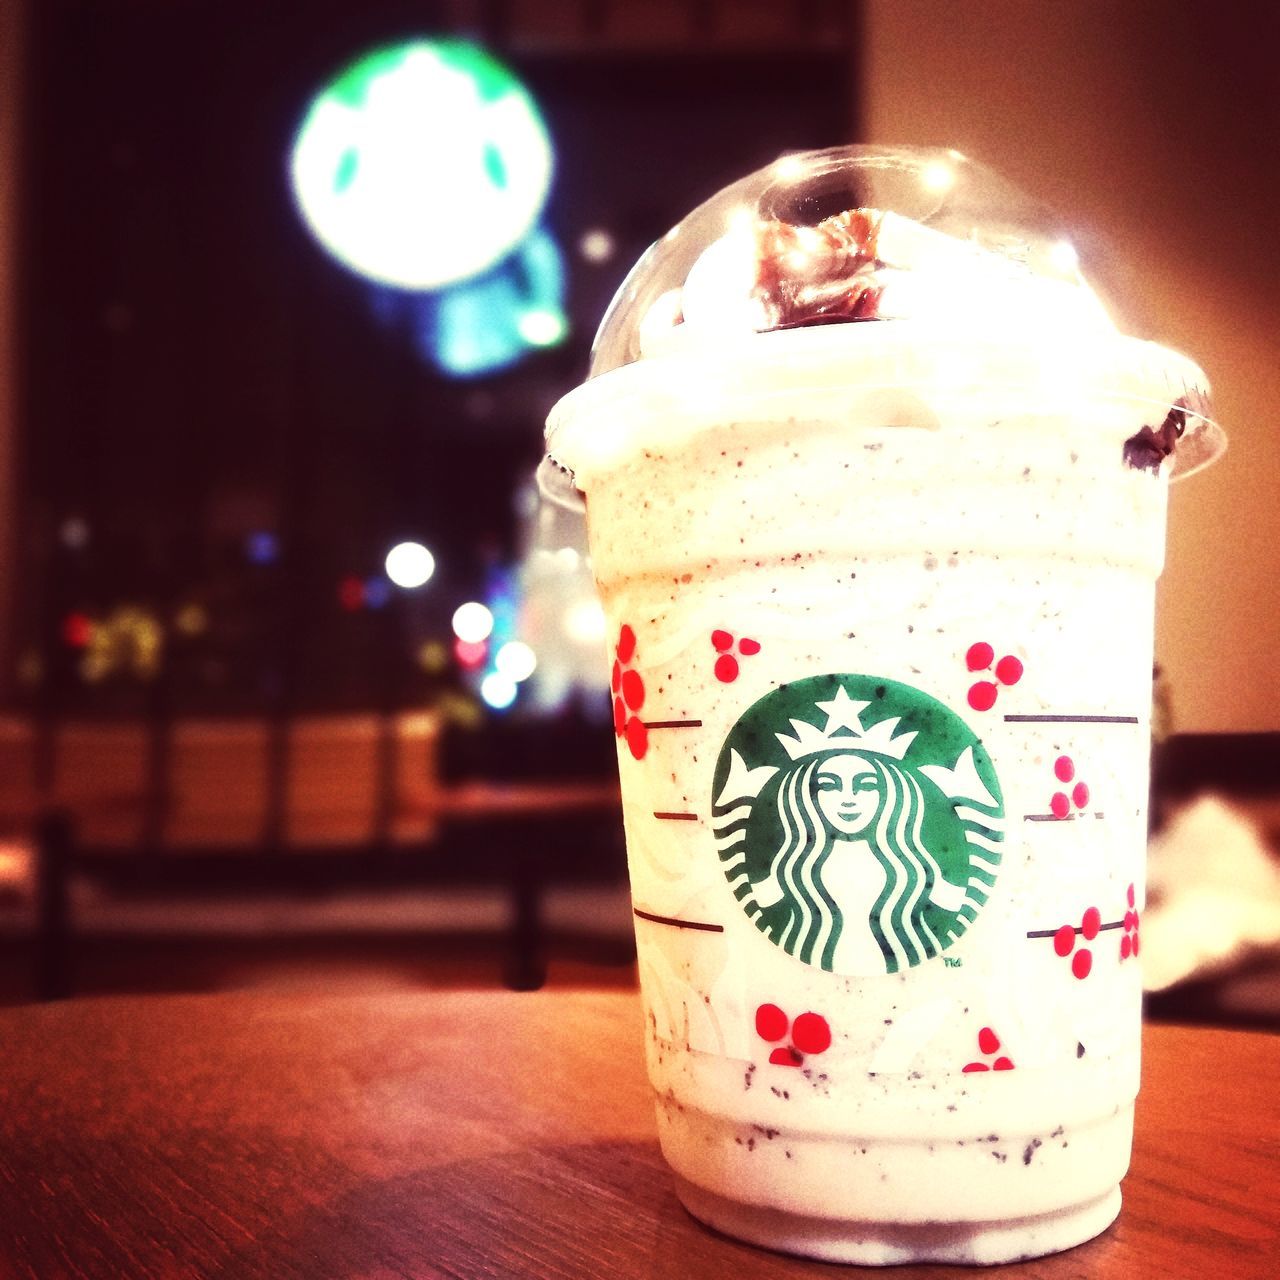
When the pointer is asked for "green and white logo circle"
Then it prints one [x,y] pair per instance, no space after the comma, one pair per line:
[859,822]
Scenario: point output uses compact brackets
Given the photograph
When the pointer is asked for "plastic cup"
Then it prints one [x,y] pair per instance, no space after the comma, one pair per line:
[881,600]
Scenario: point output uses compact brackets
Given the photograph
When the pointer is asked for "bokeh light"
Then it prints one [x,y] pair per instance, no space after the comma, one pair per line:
[597,245]
[422,164]
[191,620]
[351,593]
[410,565]
[472,622]
[516,660]
[74,533]
[470,653]
[262,547]
[433,657]
[584,622]
[498,691]
[490,322]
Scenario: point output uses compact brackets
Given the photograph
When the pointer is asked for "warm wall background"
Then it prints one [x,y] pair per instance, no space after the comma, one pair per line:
[11,46]
[1158,125]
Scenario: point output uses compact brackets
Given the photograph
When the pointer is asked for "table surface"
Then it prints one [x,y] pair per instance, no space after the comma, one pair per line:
[489,1135]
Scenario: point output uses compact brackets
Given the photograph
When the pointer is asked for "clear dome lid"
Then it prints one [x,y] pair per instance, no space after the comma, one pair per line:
[852,235]
[845,235]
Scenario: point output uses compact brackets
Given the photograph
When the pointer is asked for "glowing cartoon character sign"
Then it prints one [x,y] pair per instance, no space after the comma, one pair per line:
[422,164]
[858,821]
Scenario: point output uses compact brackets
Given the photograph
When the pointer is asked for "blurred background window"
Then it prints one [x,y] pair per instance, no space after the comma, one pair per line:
[298,293]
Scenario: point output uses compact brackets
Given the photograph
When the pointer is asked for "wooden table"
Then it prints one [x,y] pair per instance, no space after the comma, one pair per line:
[488,1135]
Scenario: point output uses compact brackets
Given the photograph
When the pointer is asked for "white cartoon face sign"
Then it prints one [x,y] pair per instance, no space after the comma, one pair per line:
[859,822]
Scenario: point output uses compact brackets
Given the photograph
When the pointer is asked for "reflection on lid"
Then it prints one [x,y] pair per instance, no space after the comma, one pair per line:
[849,235]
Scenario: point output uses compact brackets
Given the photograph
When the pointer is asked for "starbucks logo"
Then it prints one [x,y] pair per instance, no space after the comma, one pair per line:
[858,821]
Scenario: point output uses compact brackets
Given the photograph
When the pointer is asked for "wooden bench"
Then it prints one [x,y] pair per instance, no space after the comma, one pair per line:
[318,804]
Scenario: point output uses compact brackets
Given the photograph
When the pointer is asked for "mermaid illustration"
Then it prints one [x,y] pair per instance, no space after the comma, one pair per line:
[851,858]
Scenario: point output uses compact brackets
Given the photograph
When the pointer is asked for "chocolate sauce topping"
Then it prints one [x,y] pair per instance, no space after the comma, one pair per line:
[821,274]
[1146,450]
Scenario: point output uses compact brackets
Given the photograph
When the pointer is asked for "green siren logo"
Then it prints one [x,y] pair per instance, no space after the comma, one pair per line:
[858,821]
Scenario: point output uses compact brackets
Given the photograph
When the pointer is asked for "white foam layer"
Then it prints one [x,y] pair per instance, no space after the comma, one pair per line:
[898,373]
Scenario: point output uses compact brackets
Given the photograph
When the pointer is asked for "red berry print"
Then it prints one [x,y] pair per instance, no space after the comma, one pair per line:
[989,1044]
[811,1034]
[637,737]
[726,668]
[982,696]
[626,644]
[1061,805]
[1064,941]
[1009,670]
[629,686]
[979,657]
[1129,939]
[771,1022]
[632,690]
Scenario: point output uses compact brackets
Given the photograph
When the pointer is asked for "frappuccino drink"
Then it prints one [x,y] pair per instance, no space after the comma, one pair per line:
[875,495]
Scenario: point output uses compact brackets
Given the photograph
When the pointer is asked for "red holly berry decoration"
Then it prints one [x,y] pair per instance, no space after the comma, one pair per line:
[1064,942]
[632,690]
[982,696]
[1129,939]
[637,737]
[727,668]
[989,1044]
[626,644]
[1060,805]
[810,1034]
[1090,923]
[628,688]
[771,1022]
[980,656]
[1008,671]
